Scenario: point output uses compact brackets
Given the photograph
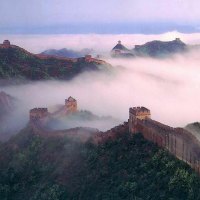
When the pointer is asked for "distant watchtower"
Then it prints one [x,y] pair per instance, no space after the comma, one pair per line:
[137,113]
[178,39]
[71,105]
[88,58]
[6,43]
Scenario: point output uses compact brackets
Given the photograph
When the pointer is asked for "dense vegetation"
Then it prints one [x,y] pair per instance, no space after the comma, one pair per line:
[54,168]
[20,64]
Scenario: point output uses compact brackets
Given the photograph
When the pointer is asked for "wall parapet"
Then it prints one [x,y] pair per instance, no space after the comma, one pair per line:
[178,141]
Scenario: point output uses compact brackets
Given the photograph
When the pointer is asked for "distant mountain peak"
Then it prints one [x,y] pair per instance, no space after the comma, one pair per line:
[16,62]
[158,48]
[119,46]
[120,50]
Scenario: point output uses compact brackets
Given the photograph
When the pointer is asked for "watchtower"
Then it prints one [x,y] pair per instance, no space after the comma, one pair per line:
[137,113]
[88,58]
[6,43]
[178,39]
[71,105]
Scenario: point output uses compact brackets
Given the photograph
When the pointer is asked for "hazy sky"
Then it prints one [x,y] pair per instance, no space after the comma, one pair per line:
[105,16]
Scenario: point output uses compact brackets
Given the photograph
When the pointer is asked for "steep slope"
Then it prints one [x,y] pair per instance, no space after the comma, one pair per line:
[16,62]
[7,107]
[7,104]
[160,48]
[38,167]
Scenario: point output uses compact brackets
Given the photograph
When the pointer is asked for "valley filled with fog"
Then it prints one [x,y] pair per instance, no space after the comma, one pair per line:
[168,87]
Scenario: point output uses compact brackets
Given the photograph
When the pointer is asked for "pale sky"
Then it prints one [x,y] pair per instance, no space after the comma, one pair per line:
[83,16]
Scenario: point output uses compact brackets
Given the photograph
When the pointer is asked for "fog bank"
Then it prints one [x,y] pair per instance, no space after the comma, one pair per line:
[101,43]
[168,87]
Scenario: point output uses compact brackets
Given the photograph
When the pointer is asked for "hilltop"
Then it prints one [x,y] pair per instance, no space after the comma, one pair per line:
[121,51]
[158,49]
[16,62]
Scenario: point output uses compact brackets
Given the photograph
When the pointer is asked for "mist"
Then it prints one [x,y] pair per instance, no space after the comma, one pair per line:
[168,87]
[101,43]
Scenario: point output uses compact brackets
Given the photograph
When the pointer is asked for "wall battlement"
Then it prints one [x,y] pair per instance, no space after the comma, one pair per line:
[177,141]
[140,112]
[135,113]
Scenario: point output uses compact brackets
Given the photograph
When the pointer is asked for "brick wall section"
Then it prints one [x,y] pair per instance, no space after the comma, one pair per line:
[111,134]
[177,141]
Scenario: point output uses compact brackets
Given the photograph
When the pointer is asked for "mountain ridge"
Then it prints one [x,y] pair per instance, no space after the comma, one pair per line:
[16,62]
[155,48]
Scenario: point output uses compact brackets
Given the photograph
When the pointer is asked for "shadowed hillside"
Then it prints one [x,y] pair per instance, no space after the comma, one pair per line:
[18,63]
[34,167]
[160,48]
[156,48]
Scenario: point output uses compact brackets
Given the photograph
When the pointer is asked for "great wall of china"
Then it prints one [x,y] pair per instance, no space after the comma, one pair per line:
[42,113]
[87,58]
[178,141]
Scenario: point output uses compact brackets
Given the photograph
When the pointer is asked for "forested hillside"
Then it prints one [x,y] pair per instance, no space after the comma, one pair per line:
[17,63]
[56,168]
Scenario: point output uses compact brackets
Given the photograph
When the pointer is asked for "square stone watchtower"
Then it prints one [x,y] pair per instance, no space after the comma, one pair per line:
[71,105]
[137,113]
[6,43]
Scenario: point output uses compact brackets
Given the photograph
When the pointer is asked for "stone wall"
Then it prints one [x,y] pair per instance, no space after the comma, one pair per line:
[38,113]
[111,134]
[177,141]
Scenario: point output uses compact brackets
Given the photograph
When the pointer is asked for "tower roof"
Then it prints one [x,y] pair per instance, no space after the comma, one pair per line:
[137,110]
[71,99]
[6,42]
[119,46]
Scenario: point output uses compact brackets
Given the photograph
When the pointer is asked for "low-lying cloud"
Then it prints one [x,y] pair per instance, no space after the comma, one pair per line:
[101,43]
[168,87]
